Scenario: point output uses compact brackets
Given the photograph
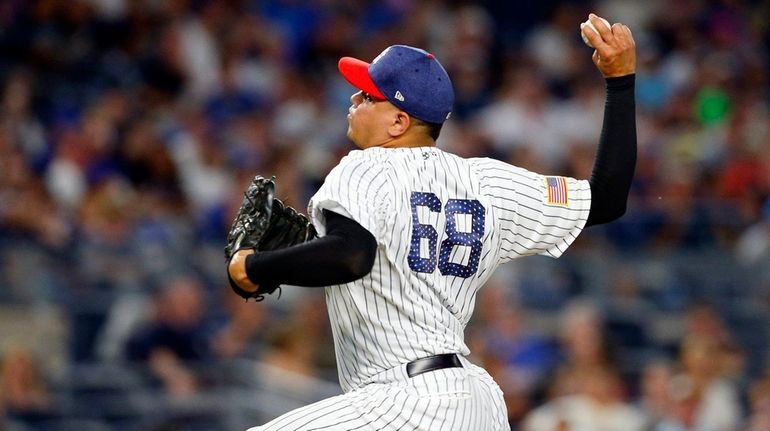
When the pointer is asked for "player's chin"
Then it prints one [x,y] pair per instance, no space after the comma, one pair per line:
[354,138]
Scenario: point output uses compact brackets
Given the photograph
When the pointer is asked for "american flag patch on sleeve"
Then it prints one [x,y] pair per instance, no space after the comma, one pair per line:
[556,190]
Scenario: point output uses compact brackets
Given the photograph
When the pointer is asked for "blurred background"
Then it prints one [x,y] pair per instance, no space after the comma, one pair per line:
[129,128]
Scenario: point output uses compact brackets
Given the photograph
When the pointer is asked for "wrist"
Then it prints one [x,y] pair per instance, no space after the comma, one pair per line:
[620,82]
[237,270]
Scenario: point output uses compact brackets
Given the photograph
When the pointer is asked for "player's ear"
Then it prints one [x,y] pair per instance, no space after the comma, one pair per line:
[400,123]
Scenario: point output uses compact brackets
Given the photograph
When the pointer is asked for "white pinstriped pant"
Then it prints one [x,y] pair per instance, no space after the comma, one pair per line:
[450,399]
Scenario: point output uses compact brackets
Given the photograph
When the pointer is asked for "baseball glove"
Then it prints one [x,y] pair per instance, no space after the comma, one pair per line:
[264,223]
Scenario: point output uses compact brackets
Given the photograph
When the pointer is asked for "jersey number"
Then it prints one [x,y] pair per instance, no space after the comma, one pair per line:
[471,239]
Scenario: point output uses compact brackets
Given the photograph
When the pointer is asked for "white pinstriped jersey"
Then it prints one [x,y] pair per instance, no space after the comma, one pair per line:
[450,399]
[443,224]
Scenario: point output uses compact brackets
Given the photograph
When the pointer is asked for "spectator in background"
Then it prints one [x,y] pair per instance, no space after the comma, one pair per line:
[23,193]
[759,405]
[18,118]
[587,391]
[584,347]
[104,251]
[468,60]
[32,228]
[521,122]
[295,350]
[290,349]
[626,314]
[655,397]
[706,321]
[104,261]
[239,332]
[702,400]
[24,392]
[753,245]
[597,405]
[309,333]
[174,342]
[554,48]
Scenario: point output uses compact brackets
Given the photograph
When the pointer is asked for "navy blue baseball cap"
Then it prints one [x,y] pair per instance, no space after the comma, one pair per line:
[410,78]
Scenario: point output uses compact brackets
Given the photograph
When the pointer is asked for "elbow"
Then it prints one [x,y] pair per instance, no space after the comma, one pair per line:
[617,212]
[606,215]
[361,262]
[358,266]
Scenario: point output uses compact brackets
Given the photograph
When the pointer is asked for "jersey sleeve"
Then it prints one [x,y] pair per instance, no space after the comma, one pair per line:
[536,214]
[356,188]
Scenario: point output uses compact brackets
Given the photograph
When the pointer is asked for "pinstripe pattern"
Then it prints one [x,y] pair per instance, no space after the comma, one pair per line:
[453,399]
[395,315]
[408,309]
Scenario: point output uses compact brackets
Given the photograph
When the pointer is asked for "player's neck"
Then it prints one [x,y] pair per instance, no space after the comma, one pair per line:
[410,141]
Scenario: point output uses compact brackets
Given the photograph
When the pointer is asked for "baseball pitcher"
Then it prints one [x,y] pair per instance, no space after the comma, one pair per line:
[407,234]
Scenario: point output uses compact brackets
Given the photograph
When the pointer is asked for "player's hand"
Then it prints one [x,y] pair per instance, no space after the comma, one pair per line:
[237,270]
[615,49]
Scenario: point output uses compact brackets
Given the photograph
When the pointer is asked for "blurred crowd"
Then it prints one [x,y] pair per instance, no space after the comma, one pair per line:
[129,128]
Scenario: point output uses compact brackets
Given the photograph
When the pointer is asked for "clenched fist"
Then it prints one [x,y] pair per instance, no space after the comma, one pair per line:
[615,49]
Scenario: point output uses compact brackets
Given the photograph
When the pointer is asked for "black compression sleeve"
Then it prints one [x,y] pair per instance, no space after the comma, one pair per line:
[616,156]
[345,254]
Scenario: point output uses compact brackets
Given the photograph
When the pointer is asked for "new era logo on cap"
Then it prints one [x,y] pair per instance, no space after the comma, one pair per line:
[410,78]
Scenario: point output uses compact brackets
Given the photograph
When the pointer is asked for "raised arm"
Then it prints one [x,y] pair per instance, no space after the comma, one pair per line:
[613,170]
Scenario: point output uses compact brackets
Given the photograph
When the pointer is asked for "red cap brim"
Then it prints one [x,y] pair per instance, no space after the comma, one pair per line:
[356,72]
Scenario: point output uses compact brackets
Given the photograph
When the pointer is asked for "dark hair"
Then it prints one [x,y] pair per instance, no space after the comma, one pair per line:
[433,129]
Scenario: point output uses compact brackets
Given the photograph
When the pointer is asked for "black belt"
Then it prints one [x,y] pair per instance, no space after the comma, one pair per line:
[433,363]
